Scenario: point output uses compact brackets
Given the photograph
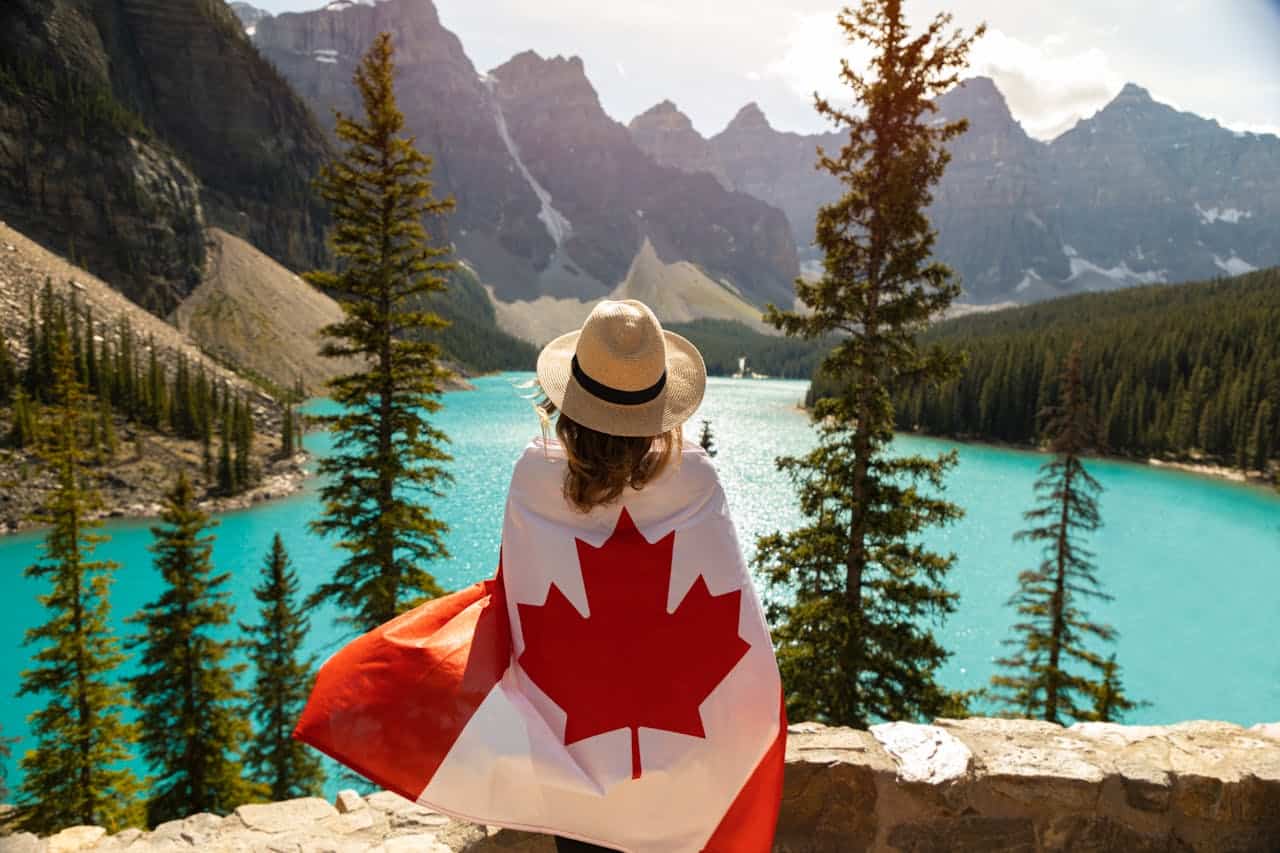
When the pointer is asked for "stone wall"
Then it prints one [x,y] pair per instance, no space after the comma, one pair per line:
[995,786]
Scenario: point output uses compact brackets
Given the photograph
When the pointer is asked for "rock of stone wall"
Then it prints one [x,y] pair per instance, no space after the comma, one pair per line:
[959,786]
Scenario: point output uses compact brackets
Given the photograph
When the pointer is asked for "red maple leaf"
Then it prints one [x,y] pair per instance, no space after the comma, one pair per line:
[630,663]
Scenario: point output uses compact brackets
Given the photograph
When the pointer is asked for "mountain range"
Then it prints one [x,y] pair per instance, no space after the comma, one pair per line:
[556,200]
[131,130]
[1138,193]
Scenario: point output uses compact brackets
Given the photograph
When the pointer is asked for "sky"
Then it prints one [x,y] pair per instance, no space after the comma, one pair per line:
[1055,62]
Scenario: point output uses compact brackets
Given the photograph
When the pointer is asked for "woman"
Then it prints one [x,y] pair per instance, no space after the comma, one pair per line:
[615,684]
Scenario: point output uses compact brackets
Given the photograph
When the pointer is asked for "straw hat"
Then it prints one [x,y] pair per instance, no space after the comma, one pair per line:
[621,374]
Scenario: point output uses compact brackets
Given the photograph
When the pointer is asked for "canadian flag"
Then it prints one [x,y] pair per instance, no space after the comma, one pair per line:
[615,683]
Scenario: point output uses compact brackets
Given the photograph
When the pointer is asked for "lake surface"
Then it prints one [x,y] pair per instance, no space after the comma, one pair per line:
[1193,563]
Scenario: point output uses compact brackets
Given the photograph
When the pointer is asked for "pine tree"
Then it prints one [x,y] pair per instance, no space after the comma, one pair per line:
[287,431]
[73,775]
[23,431]
[1109,702]
[6,750]
[707,440]
[227,484]
[107,430]
[283,682]
[192,728]
[92,378]
[1050,643]
[1258,450]
[242,431]
[8,372]
[855,586]
[388,457]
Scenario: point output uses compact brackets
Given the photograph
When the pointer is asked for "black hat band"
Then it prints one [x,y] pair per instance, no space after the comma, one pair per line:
[616,395]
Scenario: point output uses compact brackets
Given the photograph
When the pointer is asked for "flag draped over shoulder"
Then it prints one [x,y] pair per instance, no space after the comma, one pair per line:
[615,682]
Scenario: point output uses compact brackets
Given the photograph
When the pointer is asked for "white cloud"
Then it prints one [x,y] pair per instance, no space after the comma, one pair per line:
[1048,87]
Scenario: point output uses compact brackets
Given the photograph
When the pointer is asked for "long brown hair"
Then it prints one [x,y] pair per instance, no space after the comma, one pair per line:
[601,466]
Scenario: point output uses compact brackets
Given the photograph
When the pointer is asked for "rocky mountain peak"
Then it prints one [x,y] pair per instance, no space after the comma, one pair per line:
[669,137]
[978,100]
[1133,92]
[563,79]
[750,117]
[249,15]
[1130,101]
[665,116]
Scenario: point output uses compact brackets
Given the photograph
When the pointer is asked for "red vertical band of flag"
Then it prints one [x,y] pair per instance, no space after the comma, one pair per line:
[392,703]
[749,824]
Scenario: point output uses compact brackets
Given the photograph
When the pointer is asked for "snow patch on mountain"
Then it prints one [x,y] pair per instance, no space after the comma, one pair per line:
[343,5]
[1121,273]
[558,226]
[1234,265]
[1030,278]
[1229,215]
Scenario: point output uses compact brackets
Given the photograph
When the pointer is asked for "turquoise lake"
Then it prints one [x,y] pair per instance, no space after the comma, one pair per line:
[1193,562]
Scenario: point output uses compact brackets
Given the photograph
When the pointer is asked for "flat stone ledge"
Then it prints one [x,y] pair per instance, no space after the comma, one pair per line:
[957,786]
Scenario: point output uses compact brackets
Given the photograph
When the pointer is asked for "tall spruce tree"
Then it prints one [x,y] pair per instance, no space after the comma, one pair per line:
[23,430]
[193,730]
[1047,674]
[287,766]
[74,773]
[855,589]
[8,371]
[387,458]
[6,751]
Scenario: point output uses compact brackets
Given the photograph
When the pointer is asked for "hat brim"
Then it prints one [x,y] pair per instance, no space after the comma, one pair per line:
[680,397]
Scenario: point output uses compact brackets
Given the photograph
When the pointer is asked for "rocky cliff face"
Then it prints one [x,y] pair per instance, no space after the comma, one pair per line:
[79,171]
[554,197]
[447,107]
[1143,187]
[668,136]
[991,210]
[961,786]
[777,167]
[126,125]
[614,196]
[248,15]
[1139,193]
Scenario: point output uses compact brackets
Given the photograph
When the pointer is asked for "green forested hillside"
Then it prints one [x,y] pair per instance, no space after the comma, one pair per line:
[723,342]
[474,339]
[1182,370]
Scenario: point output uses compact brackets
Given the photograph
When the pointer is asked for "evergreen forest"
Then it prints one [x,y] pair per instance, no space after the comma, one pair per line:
[1186,371]
[128,381]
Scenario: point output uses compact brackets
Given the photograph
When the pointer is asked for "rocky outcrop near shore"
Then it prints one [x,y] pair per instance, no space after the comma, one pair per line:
[960,786]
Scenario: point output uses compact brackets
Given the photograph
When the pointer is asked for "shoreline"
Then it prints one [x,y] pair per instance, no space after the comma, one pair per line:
[1200,469]
[1255,479]
[284,479]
